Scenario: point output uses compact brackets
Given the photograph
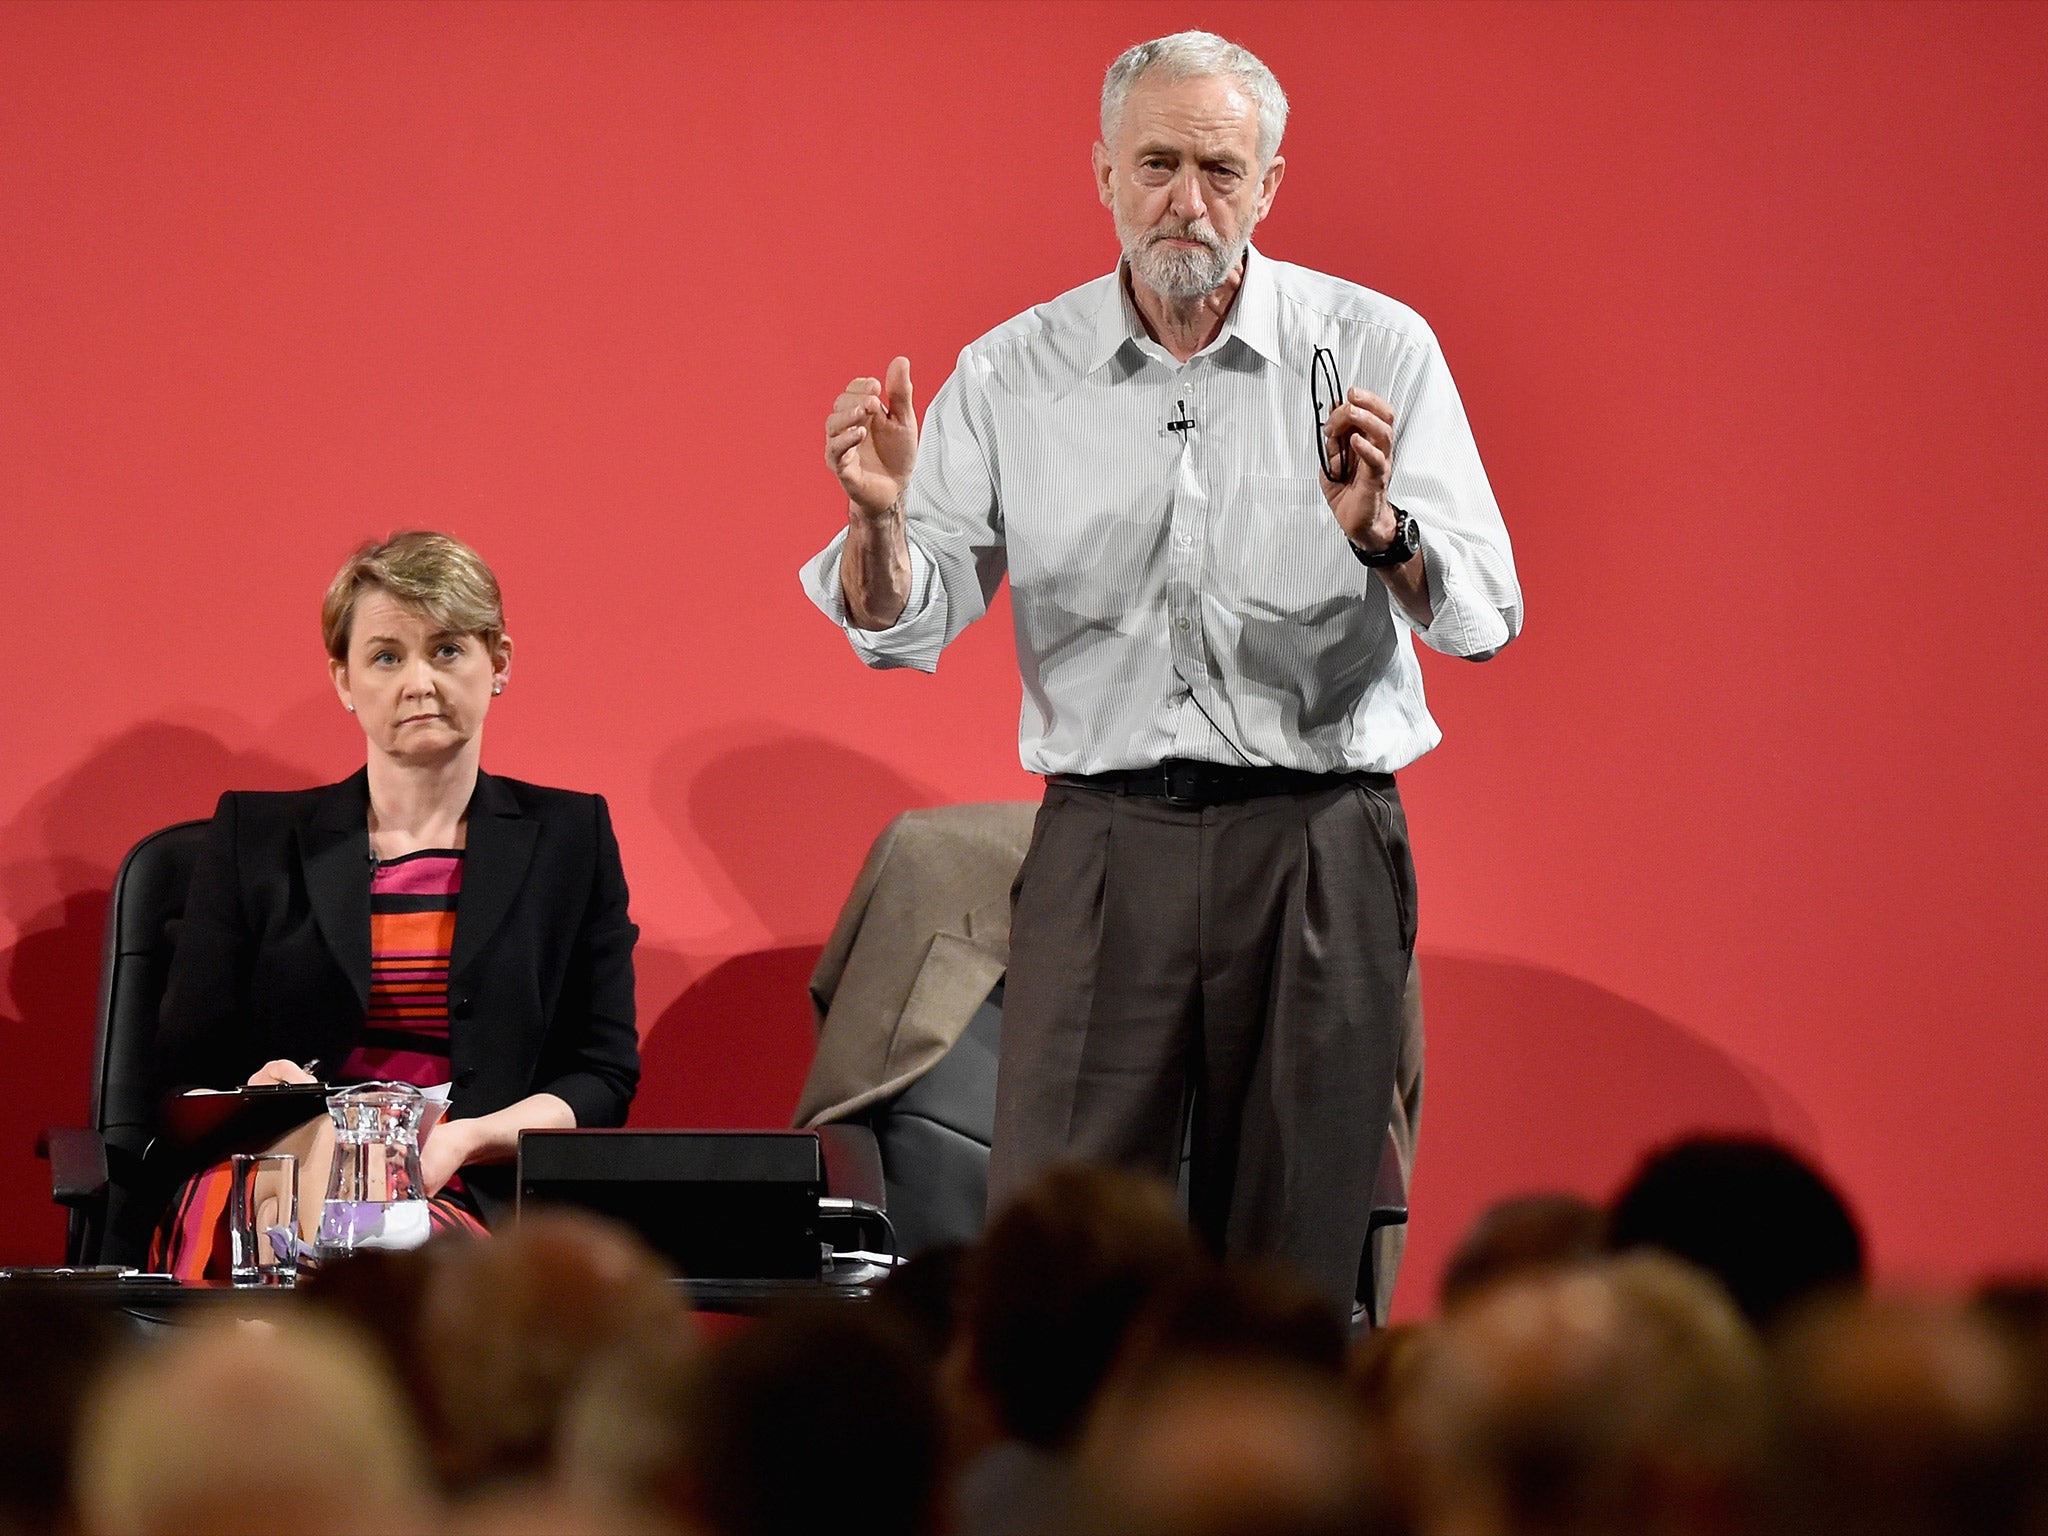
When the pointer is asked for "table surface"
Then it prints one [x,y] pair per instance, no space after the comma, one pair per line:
[160,1299]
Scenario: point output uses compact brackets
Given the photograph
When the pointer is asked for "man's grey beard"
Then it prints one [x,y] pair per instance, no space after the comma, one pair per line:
[1184,274]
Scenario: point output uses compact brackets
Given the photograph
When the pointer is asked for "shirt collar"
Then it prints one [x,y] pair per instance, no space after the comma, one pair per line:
[1254,319]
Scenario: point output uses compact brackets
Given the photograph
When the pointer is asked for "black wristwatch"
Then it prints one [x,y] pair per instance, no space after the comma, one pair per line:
[1407,541]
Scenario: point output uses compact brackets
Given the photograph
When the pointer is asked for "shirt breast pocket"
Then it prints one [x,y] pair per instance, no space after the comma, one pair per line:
[1288,558]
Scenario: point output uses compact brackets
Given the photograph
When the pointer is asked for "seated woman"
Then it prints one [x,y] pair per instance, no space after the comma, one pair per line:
[421,921]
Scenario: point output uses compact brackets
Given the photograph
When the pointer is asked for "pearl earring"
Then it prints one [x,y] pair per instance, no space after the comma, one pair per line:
[350,708]
[497,688]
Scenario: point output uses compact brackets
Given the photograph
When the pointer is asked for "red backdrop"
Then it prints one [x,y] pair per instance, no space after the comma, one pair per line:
[1745,302]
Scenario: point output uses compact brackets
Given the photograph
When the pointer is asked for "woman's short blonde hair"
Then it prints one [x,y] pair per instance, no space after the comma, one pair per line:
[441,577]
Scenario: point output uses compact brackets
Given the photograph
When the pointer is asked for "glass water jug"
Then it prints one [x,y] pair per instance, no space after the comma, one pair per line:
[375,1195]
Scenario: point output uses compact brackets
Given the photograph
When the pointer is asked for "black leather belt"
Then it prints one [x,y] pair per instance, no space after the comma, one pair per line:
[1178,781]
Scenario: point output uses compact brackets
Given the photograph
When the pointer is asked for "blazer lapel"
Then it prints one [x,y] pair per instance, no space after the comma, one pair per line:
[493,869]
[334,851]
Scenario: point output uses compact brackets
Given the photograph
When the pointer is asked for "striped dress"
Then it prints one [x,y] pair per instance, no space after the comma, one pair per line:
[405,1040]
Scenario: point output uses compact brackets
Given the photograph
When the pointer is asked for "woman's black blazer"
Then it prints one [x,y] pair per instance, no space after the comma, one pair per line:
[273,959]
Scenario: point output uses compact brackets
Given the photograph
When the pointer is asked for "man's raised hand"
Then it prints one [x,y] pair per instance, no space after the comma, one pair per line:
[871,439]
[1364,423]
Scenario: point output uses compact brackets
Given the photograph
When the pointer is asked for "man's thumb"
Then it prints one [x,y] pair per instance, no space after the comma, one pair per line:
[899,390]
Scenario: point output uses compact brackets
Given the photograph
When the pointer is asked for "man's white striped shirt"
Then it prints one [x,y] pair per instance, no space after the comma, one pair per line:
[1189,593]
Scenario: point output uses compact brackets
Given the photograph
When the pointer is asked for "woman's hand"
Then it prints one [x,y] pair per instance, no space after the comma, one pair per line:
[279,1072]
[450,1144]
[492,1138]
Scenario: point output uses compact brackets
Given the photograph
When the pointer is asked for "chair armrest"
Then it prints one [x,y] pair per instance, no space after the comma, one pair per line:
[853,1163]
[78,1163]
[1389,1188]
[1386,1216]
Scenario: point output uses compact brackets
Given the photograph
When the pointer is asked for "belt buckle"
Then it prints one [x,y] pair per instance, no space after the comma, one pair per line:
[1183,784]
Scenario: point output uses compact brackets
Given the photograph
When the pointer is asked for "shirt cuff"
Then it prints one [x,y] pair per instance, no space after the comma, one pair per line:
[1462,622]
[919,632]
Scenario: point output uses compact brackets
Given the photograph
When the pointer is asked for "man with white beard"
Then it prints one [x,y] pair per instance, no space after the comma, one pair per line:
[1217,555]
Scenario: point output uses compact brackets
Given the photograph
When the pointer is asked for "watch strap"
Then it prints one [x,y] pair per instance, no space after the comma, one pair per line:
[1400,549]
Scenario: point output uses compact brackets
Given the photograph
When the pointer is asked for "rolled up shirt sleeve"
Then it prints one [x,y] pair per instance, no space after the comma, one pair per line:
[953,520]
[1474,597]
[919,632]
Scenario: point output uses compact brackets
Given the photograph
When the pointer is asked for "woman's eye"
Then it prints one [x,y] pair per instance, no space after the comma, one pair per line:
[449,651]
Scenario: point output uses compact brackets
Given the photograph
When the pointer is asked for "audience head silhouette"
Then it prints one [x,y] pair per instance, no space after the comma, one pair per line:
[1056,1281]
[1622,1395]
[1750,1212]
[1522,1233]
[1902,1417]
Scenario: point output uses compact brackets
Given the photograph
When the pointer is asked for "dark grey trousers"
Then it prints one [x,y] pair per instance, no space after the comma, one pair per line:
[1243,963]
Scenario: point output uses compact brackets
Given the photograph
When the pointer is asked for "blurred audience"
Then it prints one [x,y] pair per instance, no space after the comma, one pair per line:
[1225,1415]
[381,1293]
[1748,1211]
[1901,1417]
[1047,1297]
[1255,1314]
[52,1345]
[1624,1395]
[1522,1233]
[1084,1369]
[512,1327]
[924,1294]
[246,1429]
[1227,1444]
[819,1417]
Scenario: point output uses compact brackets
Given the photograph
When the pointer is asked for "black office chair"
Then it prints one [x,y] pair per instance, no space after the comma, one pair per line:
[100,1172]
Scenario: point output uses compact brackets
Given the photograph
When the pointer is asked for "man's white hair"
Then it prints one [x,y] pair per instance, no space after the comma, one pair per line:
[1195,56]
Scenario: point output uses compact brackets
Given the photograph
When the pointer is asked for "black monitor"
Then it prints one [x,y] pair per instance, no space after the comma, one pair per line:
[721,1205]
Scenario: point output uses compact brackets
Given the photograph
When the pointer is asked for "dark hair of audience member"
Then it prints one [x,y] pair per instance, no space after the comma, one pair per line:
[1382,1370]
[511,1328]
[2018,1304]
[1222,1444]
[1255,1315]
[1626,1394]
[1749,1211]
[923,1294]
[806,1421]
[1520,1233]
[380,1292]
[51,1347]
[1057,1278]
[1900,1417]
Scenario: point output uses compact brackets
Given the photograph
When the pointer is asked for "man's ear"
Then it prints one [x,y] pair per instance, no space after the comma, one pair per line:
[1269,184]
[1105,169]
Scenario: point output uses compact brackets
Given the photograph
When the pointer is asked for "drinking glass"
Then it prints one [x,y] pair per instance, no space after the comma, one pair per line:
[263,1219]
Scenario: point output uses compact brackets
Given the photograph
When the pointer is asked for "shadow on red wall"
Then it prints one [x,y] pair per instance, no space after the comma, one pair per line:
[784,821]
[777,822]
[732,1050]
[57,862]
[1540,1081]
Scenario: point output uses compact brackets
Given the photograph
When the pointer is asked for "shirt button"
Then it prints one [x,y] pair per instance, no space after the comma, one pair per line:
[1181,623]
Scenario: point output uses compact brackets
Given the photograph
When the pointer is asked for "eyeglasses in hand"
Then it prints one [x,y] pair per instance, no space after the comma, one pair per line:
[1327,394]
